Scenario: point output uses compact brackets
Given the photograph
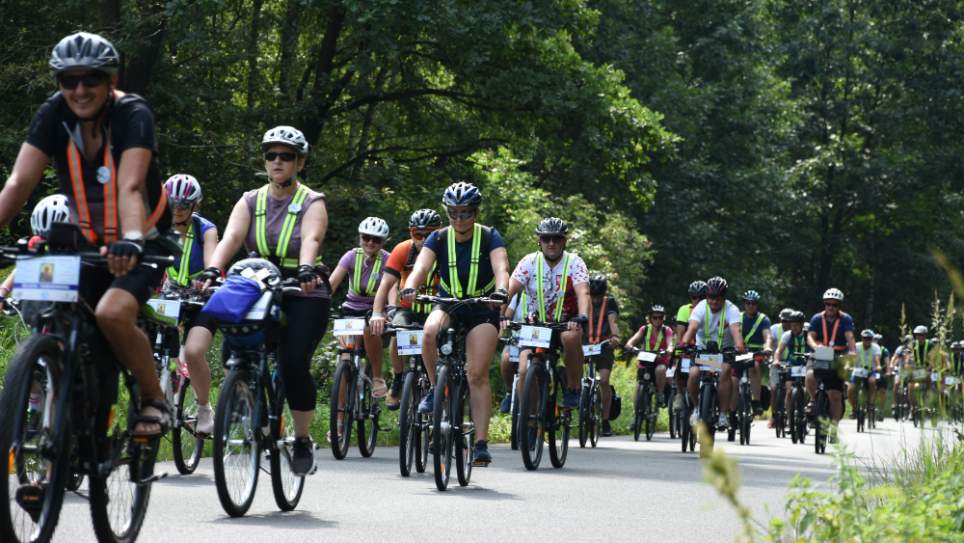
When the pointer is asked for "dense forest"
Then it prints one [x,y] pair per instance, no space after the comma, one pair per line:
[787,145]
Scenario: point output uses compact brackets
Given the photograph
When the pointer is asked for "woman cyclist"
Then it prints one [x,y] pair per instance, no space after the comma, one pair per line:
[199,237]
[285,222]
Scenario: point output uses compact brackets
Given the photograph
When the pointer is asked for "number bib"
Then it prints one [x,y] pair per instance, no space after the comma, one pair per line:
[646,356]
[409,342]
[592,349]
[712,362]
[164,311]
[349,327]
[535,336]
[798,371]
[859,373]
[684,365]
[47,279]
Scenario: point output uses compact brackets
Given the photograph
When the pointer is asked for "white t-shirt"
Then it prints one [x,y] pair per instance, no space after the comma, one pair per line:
[525,273]
[731,315]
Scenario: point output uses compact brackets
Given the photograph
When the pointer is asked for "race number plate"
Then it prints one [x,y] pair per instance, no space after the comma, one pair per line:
[744,358]
[798,371]
[935,377]
[409,342]
[823,353]
[349,327]
[592,349]
[920,374]
[260,309]
[646,356]
[535,336]
[670,372]
[684,365]
[950,380]
[822,364]
[711,361]
[166,311]
[47,279]
[860,373]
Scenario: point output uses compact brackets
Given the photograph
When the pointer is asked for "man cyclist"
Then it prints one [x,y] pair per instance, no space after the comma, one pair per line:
[714,323]
[776,334]
[756,336]
[104,149]
[656,337]
[696,292]
[556,283]
[603,327]
[830,328]
[401,261]
[471,262]
[922,355]
[868,358]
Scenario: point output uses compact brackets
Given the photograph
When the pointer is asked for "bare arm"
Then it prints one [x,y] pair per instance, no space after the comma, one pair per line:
[812,340]
[314,226]
[736,329]
[234,234]
[851,343]
[385,287]
[635,339]
[337,277]
[767,340]
[500,267]
[26,174]
[613,328]
[690,335]
[210,244]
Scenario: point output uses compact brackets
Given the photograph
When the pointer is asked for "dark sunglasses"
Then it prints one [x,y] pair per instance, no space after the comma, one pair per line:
[421,234]
[89,80]
[657,317]
[551,239]
[460,215]
[714,298]
[831,304]
[285,156]
[372,239]
[181,205]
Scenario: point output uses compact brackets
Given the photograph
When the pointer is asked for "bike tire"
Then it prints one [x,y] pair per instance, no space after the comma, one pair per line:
[23,373]
[651,412]
[792,417]
[595,416]
[368,415]
[707,406]
[685,429]
[131,458]
[464,433]
[236,431]
[559,424]
[583,416]
[342,387]
[531,412]
[638,412]
[187,446]
[286,486]
[671,415]
[514,421]
[443,441]
[820,427]
[408,431]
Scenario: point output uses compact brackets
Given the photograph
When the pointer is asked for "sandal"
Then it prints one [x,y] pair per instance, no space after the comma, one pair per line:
[165,420]
[379,388]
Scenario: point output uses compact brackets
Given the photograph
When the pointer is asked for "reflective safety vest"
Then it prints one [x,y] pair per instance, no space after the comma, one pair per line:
[372,278]
[540,288]
[706,325]
[181,275]
[429,279]
[920,353]
[865,356]
[287,228]
[659,338]
[471,290]
[746,337]
[797,345]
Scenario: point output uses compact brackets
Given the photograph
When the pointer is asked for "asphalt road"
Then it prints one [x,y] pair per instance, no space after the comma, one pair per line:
[619,491]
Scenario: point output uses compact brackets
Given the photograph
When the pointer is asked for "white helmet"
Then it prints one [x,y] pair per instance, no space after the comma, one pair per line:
[183,189]
[833,294]
[920,329]
[373,226]
[285,135]
[51,209]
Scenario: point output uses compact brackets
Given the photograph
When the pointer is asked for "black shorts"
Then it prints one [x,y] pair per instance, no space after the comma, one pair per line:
[830,379]
[475,315]
[203,320]
[140,282]
[605,359]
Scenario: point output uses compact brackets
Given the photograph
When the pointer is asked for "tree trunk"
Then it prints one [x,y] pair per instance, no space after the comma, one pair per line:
[323,92]
[108,15]
[289,49]
[140,64]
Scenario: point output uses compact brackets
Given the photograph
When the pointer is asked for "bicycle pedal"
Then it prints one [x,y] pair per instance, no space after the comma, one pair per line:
[30,498]
[152,479]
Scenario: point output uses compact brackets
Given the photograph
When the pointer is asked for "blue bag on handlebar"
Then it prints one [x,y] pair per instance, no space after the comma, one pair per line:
[232,301]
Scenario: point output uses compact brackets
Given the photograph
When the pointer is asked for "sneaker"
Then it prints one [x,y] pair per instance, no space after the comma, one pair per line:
[205,420]
[757,408]
[506,404]
[722,425]
[570,398]
[482,458]
[606,429]
[303,456]
[772,424]
[694,418]
[427,405]
[678,402]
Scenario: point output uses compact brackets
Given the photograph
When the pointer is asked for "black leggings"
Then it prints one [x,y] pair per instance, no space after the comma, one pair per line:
[306,320]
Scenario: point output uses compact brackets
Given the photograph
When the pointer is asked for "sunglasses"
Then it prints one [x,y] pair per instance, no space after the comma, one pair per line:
[656,317]
[714,298]
[372,239]
[419,235]
[181,205]
[551,239]
[460,215]
[285,156]
[831,304]
[89,80]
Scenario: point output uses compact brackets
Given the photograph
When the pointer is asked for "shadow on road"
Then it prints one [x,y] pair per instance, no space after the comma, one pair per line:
[293,520]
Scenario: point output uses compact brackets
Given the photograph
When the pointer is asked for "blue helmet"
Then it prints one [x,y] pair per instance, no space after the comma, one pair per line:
[751,296]
[462,194]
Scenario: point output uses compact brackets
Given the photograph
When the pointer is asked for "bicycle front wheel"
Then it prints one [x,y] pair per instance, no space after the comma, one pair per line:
[650,418]
[368,413]
[33,441]
[286,485]
[558,425]
[583,415]
[595,416]
[408,431]
[341,409]
[237,446]
[464,433]
[187,445]
[532,409]
[443,442]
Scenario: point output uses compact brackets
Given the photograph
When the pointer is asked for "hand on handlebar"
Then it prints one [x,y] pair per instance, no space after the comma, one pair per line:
[376,323]
[407,294]
[123,255]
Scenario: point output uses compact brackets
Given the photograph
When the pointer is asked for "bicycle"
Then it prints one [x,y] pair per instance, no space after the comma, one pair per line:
[865,410]
[901,406]
[711,364]
[744,399]
[685,431]
[796,410]
[540,415]
[66,415]
[645,409]
[590,399]
[823,359]
[351,393]
[414,428]
[453,430]
[513,394]
[953,398]
[780,420]
[162,316]
[252,415]
[673,418]
[918,410]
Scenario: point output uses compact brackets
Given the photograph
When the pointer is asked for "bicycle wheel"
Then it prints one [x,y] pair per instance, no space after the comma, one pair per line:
[514,430]
[33,441]
[368,413]
[237,446]
[443,441]
[531,411]
[820,426]
[801,416]
[559,420]
[287,486]
[341,409]
[187,446]
[707,417]
[424,428]
[595,416]
[639,412]
[408,431]
[859,412]
[792,416]
[119,498]
[464,432]
[583,416]
[649,421]
[671,415]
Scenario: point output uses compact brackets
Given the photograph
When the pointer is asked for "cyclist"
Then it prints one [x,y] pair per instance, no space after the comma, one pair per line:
[656,337]
[830,328]
[793,341]
[199,237]
[104,151]
[714,323]
[885,375]
[471,261]
[285,222]
[556,283]
[603,327]
[696,292]
[756,336]
[920,355]
[400,262]
[509,364]
[364,267]
[868,358]
[897,362]
[776,334]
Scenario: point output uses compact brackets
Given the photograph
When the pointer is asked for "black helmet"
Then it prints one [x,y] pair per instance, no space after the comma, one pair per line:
[716,286]
[697,288]
[425,218]
[552,226]
[785,313]
[84,50]
[462,194]
[598,284]
[797,316]
[657,309]
[256,265]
